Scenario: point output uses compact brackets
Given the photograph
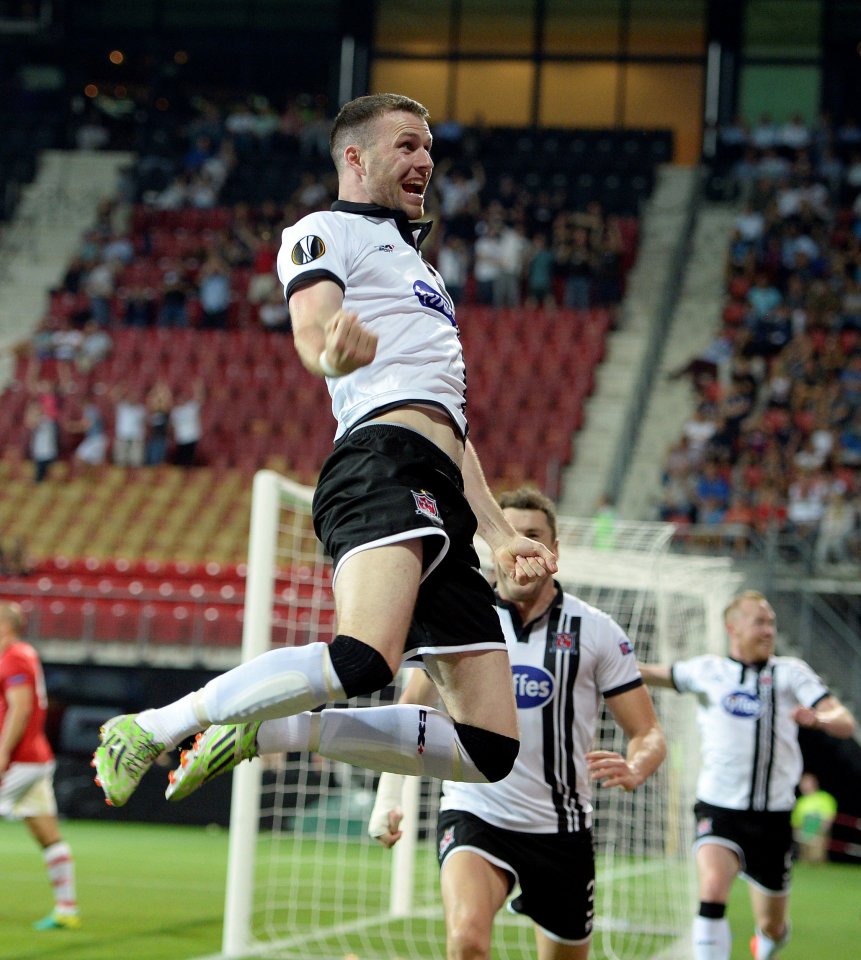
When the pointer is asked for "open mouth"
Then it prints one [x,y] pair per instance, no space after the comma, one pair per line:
[416,189]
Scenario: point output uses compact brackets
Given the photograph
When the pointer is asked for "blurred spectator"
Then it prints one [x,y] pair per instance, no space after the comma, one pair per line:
[487,262]
[159,402]
[174,300]
[838,524]
[44,445]
[513,250]
[274,314]
[214,292]
[140,308]
[539,273]
[129,426]
[92,134]
[93,448]
[453,263]
[186,423]
[96,345]
[575,266]
[100,287]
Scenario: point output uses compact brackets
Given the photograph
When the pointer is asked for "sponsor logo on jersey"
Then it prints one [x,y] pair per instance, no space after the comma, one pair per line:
[742,704]
[307,249]
[423,726]
[446,840]
[704,826]
[433,299]
[426,506]
[533,686]
[626,647]
[386,248]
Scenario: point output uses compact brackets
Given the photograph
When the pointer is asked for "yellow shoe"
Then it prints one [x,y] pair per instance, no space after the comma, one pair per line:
[58,921]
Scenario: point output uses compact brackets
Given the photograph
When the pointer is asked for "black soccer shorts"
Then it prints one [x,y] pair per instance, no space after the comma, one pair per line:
[761,840]
[385,483]
[555,871]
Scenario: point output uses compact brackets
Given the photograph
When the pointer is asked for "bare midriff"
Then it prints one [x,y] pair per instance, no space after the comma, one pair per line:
[432,422]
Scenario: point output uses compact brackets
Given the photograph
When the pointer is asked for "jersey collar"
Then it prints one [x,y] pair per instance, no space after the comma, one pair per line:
[413,231]
[522,629]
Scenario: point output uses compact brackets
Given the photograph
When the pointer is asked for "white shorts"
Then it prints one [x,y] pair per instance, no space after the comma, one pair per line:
[27,790]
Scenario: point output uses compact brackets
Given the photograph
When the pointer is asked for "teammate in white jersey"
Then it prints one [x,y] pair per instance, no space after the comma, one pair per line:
[396,506]
[533,829]
[751,706]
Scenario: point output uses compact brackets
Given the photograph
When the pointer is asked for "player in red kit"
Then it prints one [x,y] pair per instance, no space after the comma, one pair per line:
[27,764]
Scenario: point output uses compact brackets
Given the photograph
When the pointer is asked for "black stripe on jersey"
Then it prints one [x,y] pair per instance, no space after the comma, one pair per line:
[763,755]
[560,772]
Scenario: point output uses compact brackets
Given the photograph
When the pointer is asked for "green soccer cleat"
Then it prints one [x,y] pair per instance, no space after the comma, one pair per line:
[58,921]
[125,754]
[218,749]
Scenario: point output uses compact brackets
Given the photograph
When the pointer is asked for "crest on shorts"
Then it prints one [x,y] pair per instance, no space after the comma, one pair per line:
[447,840]
[307,249]
[427,507]
[704,826]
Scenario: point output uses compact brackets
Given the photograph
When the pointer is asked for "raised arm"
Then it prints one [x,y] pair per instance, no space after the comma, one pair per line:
[387,813]
[330,341]
[829,715]
[657,675]
[521,558]
[634,713]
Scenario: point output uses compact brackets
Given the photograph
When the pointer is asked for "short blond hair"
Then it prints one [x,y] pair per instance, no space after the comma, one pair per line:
[739,599]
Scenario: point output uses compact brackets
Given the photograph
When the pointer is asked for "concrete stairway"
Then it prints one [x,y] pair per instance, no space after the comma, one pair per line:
[56,208]
[610,405]
[696,319]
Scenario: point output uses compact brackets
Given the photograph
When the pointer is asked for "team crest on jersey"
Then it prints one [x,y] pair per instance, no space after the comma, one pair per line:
[426,506]
[626,647]
[307,249]
[704,826]
[568,641]
[446,841]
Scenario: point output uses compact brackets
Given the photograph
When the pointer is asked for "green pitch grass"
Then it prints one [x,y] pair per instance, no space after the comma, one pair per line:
[156,893]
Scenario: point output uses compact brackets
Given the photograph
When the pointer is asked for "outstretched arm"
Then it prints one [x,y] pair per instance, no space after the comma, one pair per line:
[647,747]
[829,715]
[385,819]
[522,559]
[657,675]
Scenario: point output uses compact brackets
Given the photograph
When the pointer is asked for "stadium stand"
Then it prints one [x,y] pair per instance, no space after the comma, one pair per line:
[90,534]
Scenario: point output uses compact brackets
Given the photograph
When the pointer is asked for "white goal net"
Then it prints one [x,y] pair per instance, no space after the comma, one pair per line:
[304,879]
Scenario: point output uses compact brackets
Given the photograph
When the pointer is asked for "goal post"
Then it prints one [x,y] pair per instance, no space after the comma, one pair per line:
[305,882]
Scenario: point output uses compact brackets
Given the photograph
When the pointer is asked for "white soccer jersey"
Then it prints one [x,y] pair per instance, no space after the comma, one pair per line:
[751,759]
[562,664]
[372,254]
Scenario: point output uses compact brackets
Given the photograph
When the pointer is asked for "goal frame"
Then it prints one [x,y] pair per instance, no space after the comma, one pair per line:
[660,572]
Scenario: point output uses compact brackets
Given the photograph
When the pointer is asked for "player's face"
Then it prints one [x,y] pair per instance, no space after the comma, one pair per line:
[398,164]
[752,629]
[532,524]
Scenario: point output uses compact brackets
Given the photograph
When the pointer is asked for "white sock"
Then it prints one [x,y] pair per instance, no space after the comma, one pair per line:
[276,684]
[766,948]
[61,872]
[712,938]
[378,738]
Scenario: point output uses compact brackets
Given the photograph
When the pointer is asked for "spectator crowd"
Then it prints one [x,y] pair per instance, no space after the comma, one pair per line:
[774,442]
